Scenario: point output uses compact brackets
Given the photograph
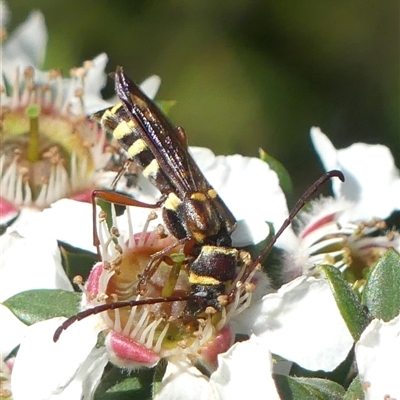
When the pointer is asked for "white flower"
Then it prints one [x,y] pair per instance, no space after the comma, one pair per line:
[46,370]
[30,259]
[348,231]
[301,323]
[74,220]
[50,149]
[26,46]
[49,114]
[250,190]
[377,354]
[245,368]
[372,179]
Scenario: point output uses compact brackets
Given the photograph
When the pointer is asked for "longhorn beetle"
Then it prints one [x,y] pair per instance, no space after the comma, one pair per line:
[191,209]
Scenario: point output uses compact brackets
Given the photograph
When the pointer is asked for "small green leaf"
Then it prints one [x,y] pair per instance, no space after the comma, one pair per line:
[283,175]
[308,388]
[106,207]
[158,376]
[119,384]
[355,391]
[76,261]
[381,294]
[349,304]
[165,105]
[127,385]
[41,304]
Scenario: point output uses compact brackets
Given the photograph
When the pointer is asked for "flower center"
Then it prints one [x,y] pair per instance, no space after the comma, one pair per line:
[353,248]
[166,329]
[48,146]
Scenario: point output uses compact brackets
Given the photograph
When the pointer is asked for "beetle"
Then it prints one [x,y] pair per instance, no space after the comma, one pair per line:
[192,210]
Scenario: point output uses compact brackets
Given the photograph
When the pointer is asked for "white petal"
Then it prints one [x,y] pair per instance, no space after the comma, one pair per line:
[4,14]
[24,217]
[47,370]
[377,354]
[90,373]
[30,262]
[92,104]
[11,332]
[301,323]
[204,157]
[325,149]
[182,381]
[71,222]
[249,232]
[245,368]
[95,80]
[150,86]
[26,46]
[249,188]
[372,179]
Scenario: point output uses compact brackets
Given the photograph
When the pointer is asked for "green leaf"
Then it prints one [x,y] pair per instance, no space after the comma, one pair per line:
[381,294]
[355,391]
[158,375]
[165,105]
[106,207]
[76,261]
[119,384]
[349,304]
[283,175]
[308,388]
[41,304]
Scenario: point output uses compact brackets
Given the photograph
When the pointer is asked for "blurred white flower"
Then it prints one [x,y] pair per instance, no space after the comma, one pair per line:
[50,149]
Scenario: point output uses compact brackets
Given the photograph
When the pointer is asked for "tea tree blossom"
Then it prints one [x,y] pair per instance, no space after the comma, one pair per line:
[301,323]
[372,182]
[246,368]
[79,365]
[140,336]
[348,231]
[50,149]
[228,170]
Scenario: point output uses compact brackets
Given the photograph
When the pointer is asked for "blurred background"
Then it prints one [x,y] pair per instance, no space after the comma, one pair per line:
[247,74]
